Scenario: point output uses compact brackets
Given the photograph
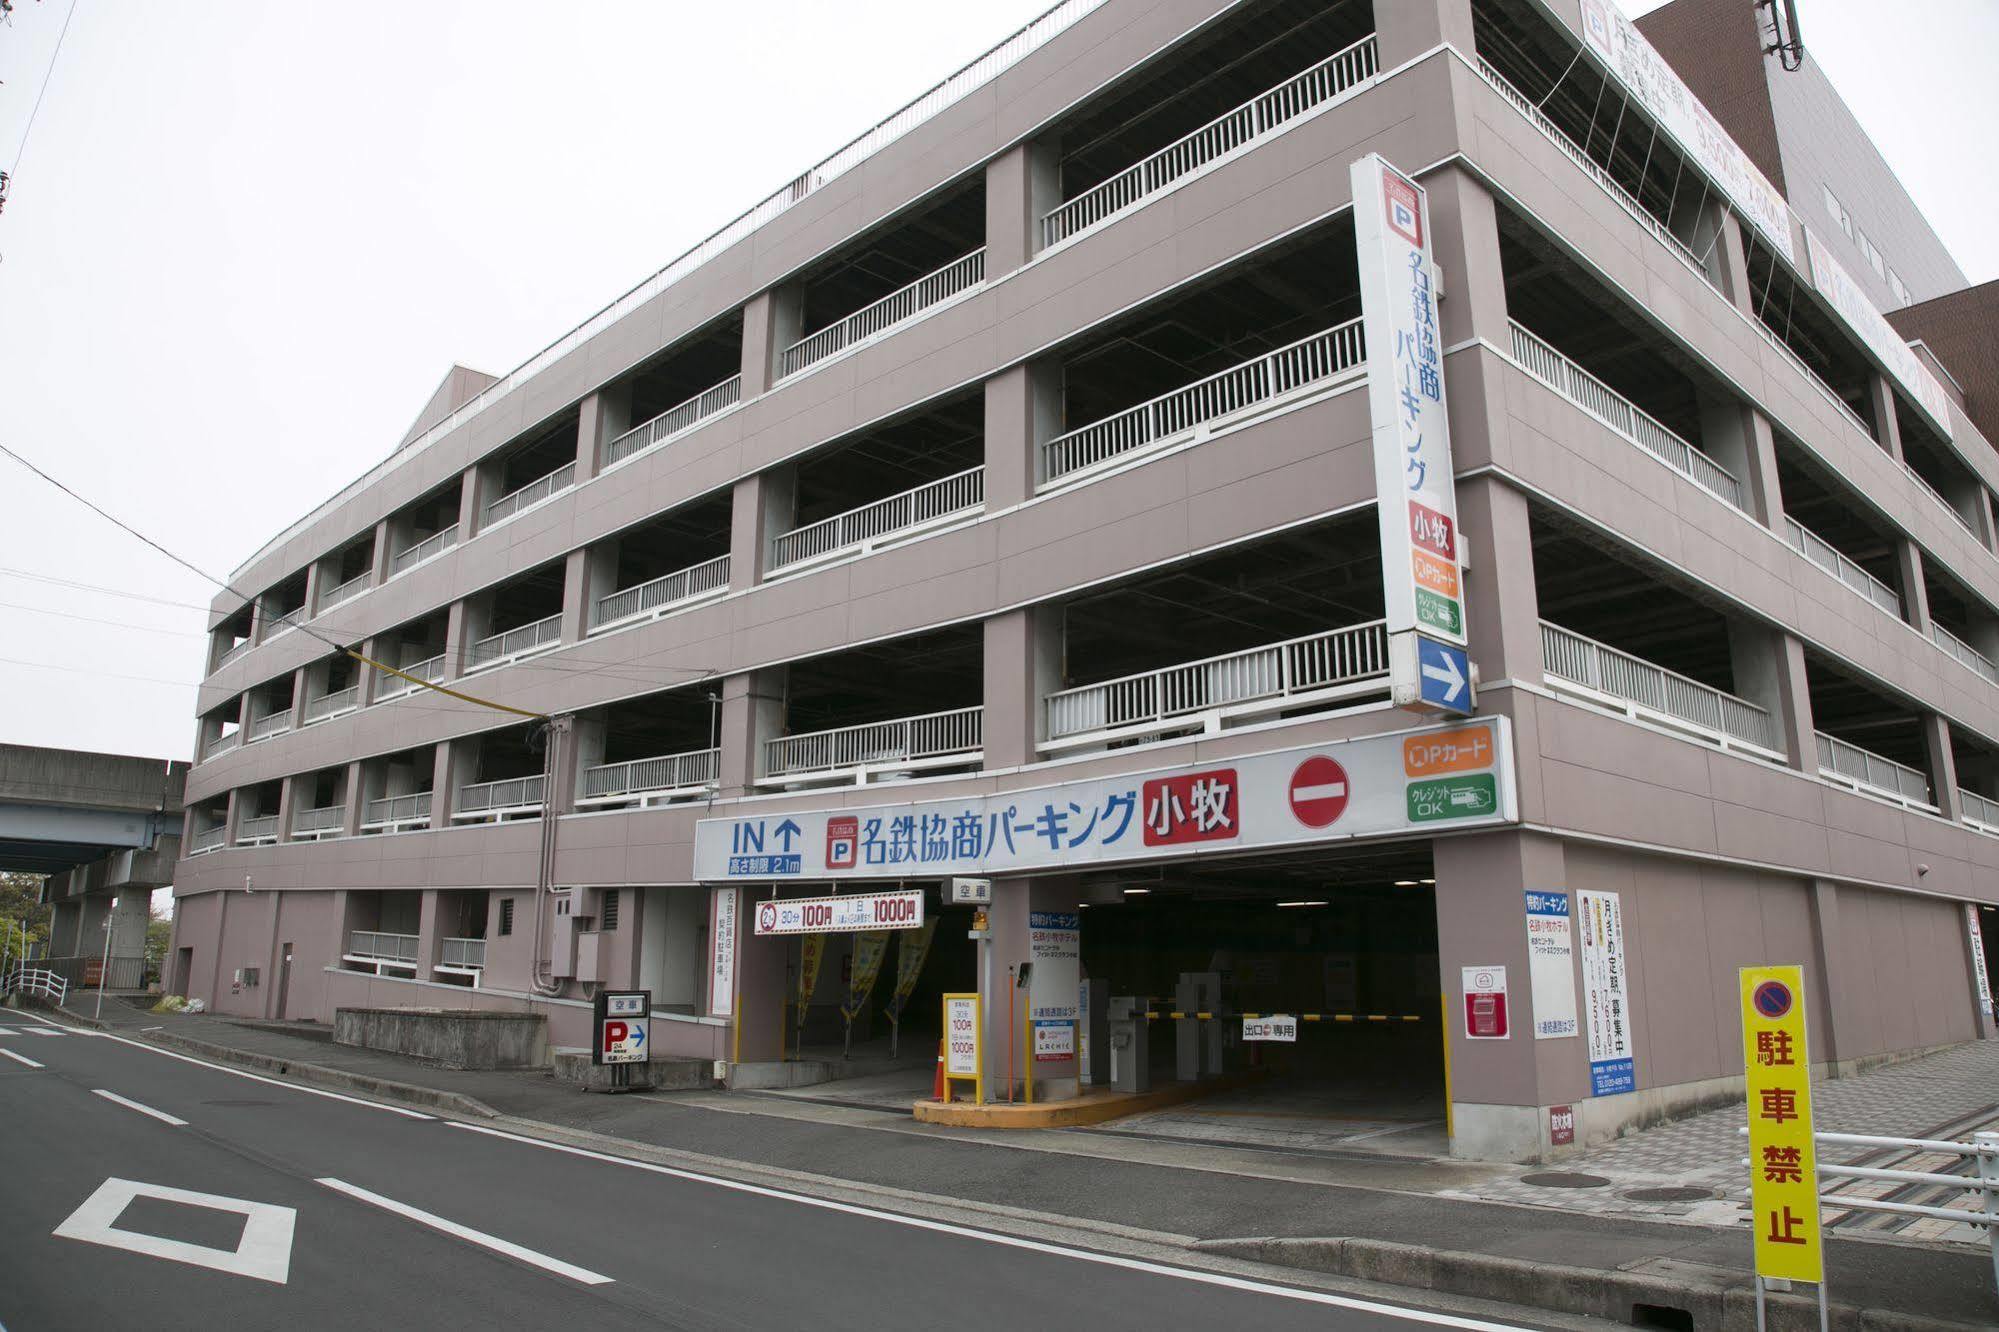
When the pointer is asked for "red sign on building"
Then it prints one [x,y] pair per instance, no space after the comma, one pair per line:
[1319,792]
[1192,807]
[843,838]
[1432,530]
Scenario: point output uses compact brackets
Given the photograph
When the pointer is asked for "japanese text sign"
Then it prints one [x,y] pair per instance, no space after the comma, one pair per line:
[1783,1168]
[858,911]
[1853,305]
[1606,1001]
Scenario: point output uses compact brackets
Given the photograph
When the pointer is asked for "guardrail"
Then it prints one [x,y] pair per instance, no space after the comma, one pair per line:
[1835,562]
[1965,654]
[283,624]
[208,839]
[540,489]
[268,725]
[263,828]
[381,947]
[467,953]
[936,737]
[898,307]
[222,744]
[674,420]
[232,652]
[327,818]
[39,981]
[1324,83]
[1353,655]
[347,591]
[430,669]
[1981,812]
[391,810]
[1320,357]
[333,704]
[1865,770]
[1937,495]
[506,794]
[514,642]
[434,544]
[1644,689]
[1783,349]
[1586,391]
[694,770]
[669,590]
[895,516]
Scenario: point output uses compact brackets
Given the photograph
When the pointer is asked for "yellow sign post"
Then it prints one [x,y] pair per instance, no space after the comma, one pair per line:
[962,1039]
[1783,1167]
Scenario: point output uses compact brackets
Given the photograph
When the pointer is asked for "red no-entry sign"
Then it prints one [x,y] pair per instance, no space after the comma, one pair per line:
[1319,792]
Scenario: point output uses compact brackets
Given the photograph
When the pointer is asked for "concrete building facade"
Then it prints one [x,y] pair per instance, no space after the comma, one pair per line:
[1023,449]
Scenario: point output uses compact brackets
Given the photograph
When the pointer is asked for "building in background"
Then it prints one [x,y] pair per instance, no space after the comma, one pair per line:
[999,496]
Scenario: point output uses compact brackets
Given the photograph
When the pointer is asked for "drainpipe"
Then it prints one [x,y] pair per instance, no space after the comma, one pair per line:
[555,733]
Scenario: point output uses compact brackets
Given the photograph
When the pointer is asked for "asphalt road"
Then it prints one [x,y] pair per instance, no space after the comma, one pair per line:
[271,1205]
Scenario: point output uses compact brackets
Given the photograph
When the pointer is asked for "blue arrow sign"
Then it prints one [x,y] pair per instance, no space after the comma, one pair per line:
[1443,674]
[787,833]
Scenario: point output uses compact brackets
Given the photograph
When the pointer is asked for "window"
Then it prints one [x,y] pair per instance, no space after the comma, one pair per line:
[1901,288]
[506,915]
[610,921]
[1838,211]
[1873,255]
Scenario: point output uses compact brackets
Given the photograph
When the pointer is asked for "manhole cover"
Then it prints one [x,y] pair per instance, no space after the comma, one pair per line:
[1565,1179]
[1671,1193]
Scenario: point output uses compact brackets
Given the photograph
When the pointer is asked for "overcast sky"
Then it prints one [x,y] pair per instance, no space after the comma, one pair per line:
[246,239]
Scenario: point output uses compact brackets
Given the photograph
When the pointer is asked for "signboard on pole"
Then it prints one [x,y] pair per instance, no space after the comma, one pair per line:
[722,953]
[1606,1008]
[1783,1168]
[1485,1004]
[969,892]
[1415,483]
[1551,964]
[623,1021]
[961,1044]
[1055,947]
[1979,975]
[856,911]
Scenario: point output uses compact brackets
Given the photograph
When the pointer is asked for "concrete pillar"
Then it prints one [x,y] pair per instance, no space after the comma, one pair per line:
[1023,410]
[762,508]
[1464,226]
[447,776]
[65,927]
[576,596]
[1719,237]
[288,804]
[368,680]
[752,712]
[1941,765]
[1839,1003]
[1023,665]
[602,417]
[1910,583]
[1023,185]
[353,794]
[315,580]
[130,917]
[1881,406]
[429,934]
[600,577]
[471,501]
[1738,437]
[1502,611]
[772,321]
[586,749]
[385,535]
[1501,1089]
[1013,901]
[1407,28]
[233,815]
[761,977]
[1769,670]
[456,637]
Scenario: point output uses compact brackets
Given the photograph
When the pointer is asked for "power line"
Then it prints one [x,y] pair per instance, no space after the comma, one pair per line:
[84,670]
[92,619]
[107,591]
[22,149]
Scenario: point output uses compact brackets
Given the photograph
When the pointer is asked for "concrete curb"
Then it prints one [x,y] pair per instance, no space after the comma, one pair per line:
[1726,1304]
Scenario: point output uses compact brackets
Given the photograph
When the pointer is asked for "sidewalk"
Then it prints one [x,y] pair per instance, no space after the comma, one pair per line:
[1467,1228]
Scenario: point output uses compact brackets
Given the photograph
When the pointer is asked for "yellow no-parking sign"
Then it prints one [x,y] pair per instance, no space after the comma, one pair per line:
[1783,1169]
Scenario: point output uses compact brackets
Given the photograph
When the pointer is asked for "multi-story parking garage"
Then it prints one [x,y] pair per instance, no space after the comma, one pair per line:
[999,499]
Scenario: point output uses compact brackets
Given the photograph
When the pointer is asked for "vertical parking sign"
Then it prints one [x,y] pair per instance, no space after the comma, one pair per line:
[1783,1168]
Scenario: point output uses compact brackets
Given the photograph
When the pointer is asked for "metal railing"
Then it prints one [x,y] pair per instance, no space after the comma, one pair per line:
[1783,349]
[381,947]
[996,61]
[263,828]
[1586,391]
[1937,495]
[1280,671]
[1652,691]
[1965,654]
[283,624]
[898,307]
[40,981]
[507,793]
[959,734]
[674,420]
[669,590]
[347,591]
[1829,558]
[268,725]
[469,953]
[1321,85]
[531,494]
[232,652]
[208,839]
[694,770]
[222,744]
[394,686]
[1320,357]
[328,705]
[434,544]
[1865,770]
[389,810]
[514,642]
[1981,812]
[327,818]
[894,516]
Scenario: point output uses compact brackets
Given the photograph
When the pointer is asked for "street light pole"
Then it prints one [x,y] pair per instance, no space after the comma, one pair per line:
[104,970]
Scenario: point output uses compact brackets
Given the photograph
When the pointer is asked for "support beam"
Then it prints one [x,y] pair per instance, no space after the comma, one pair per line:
[1769,671]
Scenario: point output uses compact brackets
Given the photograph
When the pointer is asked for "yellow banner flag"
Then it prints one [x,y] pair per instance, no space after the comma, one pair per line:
[1783,1167]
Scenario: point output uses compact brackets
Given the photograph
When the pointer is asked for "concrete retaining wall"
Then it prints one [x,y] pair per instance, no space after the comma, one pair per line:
[456,1038]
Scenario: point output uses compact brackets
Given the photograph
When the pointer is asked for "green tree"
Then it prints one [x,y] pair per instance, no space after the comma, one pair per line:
[20,901]
[159,936]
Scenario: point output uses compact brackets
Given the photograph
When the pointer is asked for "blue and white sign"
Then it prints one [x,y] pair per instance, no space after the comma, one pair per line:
[1606,1007]
[1444,677]
[1551,961]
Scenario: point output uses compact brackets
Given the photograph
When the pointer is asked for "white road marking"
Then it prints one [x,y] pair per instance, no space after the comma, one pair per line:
[40,1031]
[479,1237]
[160,1115]
[235,1072]
[264,1252]
[1016,1242]
[22,1059]
[6,1032]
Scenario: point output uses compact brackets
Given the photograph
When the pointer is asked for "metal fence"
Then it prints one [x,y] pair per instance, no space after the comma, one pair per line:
[670,590]
[383,947]
[430,669]
[435,544]
[1979,810]
[1965,654]
[1308,361]
[1937,495]
[232,652]
[208,839]
[1321,85]
[1866,770]
[954,278]
[937,735]
[413,808]
[263,828]
[222,744]
[1822,553]
[328,705]
[40,981]
[694,770]
[1654,691]
[268,725]
[327,818]
[531,494]
[347,591]
[938,500]
[514,642]
[507,793]
[674,420]
[461,952]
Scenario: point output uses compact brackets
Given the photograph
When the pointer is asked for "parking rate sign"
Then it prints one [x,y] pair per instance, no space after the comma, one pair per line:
[1783,1169]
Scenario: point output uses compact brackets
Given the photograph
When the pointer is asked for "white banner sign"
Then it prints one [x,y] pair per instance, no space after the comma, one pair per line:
[857,911]
[1414,483]
[722,953]
[1434,780]
[1858,310]
[961,1035]
[1978,970]
[1606,1009]
[1054,1041]
[1551,964]
[1055,946]
[1647,76]
[1273,1027]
